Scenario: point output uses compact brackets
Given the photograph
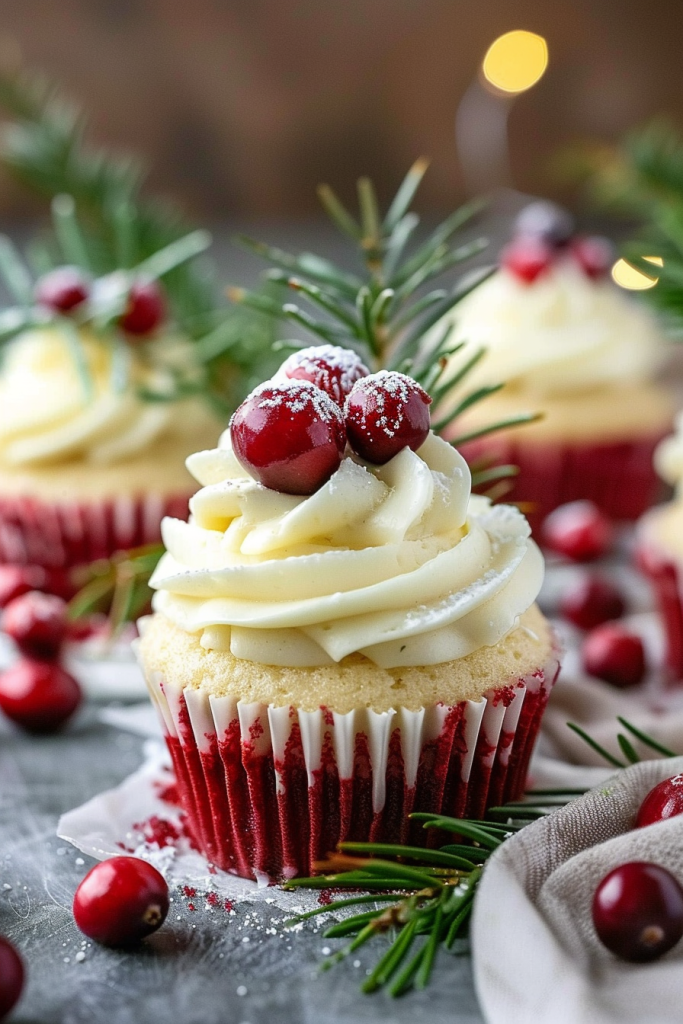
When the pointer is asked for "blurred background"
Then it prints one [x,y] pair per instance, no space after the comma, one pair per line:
[242,106]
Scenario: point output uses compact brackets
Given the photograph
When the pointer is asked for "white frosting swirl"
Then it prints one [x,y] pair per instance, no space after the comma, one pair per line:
[398,562]
[669,457]
[564,333]
[47,415]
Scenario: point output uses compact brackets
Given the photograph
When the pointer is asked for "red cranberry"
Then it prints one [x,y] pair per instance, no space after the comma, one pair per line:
[146,308]
[120,901]
[37,623]
[579,531]
[526,258]
[547,222]
[664,801]
[16,580]
[39,696]
[638,911]
[612,653]
[385,413]
[11,977]
[591,601]
[334,370]
[62,289]
[595,255]
[289,435]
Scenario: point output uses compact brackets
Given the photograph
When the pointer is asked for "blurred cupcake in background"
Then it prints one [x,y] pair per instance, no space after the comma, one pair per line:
[99,405]
[660,550]
[572,345]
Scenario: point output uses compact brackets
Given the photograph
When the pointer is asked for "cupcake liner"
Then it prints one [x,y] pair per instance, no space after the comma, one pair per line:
[268,791]
[64,534]
[666,578]
[618,476]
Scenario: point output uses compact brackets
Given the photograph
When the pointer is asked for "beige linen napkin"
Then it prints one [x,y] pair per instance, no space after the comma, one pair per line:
[537,959]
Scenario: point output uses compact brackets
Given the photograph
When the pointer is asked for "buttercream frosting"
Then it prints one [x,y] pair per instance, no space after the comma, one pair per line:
[400,563]
[564,333]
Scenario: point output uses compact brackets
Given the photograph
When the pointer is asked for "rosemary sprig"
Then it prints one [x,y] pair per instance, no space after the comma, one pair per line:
[430,891]
[117,587]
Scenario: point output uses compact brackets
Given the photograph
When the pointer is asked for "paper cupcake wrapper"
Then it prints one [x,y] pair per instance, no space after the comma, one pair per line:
[268,791]
[666,578]
[64,534]
[618,476]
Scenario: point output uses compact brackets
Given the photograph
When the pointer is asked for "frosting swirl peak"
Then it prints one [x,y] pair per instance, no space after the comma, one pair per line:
[399,563]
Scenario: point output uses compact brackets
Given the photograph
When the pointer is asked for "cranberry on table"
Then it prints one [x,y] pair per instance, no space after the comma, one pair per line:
[662,802]
[38,696]
[638,911]
[615,655]
[289,435]
[62,289]
[37,623]
[579,531]
[595,255]
[526,258]
[11,977]
[334,370]
[146,308]
[547,222]
[590,601]
[385,413]
[16,580]
[120,901]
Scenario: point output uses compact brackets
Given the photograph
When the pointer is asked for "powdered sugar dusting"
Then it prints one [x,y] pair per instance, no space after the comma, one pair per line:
[390,392]
[296,396]
[333,369]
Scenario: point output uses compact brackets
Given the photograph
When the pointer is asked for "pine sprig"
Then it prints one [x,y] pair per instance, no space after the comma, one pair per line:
[431,891]
[117,587]
[387,308]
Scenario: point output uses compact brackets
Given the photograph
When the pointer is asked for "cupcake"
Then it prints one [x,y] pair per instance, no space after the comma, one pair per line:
[94,422]
[570,344]
[342,632]
[660,550]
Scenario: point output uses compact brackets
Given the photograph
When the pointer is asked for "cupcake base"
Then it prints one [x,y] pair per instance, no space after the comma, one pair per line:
[618,476]
[61,535]
[271,790]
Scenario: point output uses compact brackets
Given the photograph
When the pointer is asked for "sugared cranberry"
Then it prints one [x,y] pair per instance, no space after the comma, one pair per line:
[591,601]
[664,801]
[579,531]
[16,580]
[526,258]
[289,435]
[146,308]
[595,255]
[638,911]
[334,370]
[547,222]
[37,623]
[611,653]
[39,696]
[11,977]
[385,413]
[62,289]
[120,901]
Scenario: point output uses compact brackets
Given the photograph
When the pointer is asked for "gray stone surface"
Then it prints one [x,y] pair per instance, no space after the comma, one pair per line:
[198,969]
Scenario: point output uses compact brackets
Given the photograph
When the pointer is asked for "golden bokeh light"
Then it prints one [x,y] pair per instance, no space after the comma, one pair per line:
[627,276]
[515,61]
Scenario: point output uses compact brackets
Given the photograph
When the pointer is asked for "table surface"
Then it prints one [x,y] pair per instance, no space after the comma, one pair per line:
[198,969]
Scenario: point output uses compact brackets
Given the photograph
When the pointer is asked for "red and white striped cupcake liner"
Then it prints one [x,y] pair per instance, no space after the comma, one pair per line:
[58,535]
[268,791]
[666,577]
[618,476]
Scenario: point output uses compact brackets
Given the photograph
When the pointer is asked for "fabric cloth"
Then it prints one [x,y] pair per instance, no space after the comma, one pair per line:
[536,955]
